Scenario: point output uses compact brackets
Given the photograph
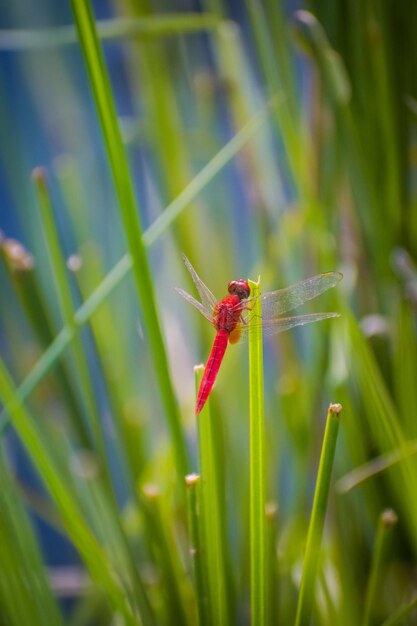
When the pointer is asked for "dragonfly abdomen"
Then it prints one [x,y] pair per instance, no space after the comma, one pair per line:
[212,368]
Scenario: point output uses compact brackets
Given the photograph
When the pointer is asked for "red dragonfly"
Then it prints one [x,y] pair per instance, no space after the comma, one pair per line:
[230,316]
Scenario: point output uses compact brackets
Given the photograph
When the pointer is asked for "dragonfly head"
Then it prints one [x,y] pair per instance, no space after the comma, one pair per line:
[239,288]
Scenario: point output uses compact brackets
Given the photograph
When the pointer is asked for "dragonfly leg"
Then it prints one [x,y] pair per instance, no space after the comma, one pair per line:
[245,320]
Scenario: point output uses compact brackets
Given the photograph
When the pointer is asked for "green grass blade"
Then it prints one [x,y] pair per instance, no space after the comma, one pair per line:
[214,517]
[100,511]
[209,171]
[258,532]
[284,115]
[122,268]
[62,496]
[116,28]
[384,423]
[377,465]
[130,217]
[25,281]
[26,597]
[85,383]
[59,272]
[271,514]
[315,530]
[387,520]
[195,534]
[399,616]
[405,366]
[150,73]
[41,368]
[166,551]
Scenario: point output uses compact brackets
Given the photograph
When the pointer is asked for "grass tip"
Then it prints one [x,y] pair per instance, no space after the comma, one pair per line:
[84,464]
[335,408]
[151,491]
[271,510]
[254,283]
[74,262]
[389,518]
[192,479]
[305,17]
[39,174]
[19,259]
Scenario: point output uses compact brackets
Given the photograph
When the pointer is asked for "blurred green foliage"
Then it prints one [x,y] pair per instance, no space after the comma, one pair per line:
[282,144]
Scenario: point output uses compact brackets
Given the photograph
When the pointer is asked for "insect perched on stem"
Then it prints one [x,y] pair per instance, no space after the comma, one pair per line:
[230,315]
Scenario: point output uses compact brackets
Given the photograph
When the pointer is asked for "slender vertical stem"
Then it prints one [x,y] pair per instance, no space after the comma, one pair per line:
[59,273]
[271,513]
[167,557]
[64,498]
[258,537]
[123,267]
[387,520]
[213,510]
[399,616]
[315,530]
[196,549]
[100,84]
[68,313]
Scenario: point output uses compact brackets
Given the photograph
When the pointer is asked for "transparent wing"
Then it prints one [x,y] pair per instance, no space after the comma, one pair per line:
[208,314]
[207,298]
[274,303]
[272,327]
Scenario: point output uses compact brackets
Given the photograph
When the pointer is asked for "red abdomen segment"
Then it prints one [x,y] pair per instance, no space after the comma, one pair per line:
[212,368]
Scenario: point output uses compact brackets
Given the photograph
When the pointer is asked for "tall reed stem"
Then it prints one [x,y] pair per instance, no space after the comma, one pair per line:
[258,535]
[315,530]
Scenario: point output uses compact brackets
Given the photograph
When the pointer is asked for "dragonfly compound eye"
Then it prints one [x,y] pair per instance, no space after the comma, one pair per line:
[240,288]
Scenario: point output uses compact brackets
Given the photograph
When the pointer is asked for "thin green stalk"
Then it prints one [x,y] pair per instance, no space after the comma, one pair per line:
[209,171]
[376,466]
[128,433]
[385,425]
[214,519]
[271,512]
[378,53]
[399,616]
[22,566]
[100,509]
[83,371]
[58,267]
[258,532]
[23,277]
[171,572]
[100,85]
[275,14]
[334,74]
[41,368]
[122,268]
[67,309]
[387,520]
[315,530]
[195,531]
[329,607]
[63,497]
[116,28]
[285,120]
[151,77]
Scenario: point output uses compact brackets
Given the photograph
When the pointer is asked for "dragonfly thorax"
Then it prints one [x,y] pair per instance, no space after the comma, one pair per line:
[227,313]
